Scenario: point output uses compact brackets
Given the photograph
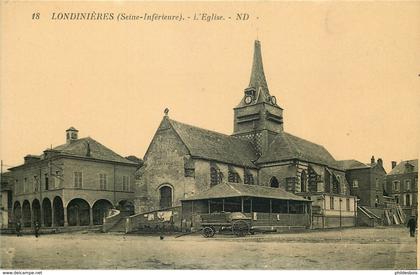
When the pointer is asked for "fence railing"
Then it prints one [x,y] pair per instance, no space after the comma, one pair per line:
[168,219]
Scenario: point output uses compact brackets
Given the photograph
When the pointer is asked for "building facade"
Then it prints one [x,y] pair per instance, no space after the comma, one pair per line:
[6,199]
[73,184]
[184,160]
[401,184]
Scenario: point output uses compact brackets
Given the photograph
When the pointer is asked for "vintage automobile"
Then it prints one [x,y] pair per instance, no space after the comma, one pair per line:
[225,222]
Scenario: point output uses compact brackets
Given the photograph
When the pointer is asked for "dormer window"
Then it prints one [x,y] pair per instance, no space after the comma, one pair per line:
[409,167]
[250,92]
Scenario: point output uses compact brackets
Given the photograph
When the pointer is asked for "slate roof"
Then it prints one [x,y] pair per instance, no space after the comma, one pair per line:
[286,146]
[350,164]
[230,190]
[400,168]
[215,146]
[98,151]
[79,148]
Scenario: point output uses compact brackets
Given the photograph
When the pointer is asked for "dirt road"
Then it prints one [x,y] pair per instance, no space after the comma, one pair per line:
[358,248]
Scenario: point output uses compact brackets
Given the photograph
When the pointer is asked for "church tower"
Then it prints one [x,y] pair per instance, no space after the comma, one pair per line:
[258,117]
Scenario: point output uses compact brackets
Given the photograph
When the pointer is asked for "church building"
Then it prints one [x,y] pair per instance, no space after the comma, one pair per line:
[184,161]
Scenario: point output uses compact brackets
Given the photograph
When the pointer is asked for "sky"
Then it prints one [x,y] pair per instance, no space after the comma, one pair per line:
[346,74]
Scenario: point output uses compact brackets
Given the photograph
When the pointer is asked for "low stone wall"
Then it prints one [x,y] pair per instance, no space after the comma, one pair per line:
[320,221]
[334,222]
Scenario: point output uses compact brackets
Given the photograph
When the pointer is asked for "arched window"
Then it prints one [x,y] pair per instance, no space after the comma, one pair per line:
[303,182]
[274,182]
[165,197]
[214,176]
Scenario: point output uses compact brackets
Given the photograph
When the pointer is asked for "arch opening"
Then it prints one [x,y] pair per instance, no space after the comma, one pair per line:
[47,212]
[100,210]
[26,214]
[17,212]
[78,212]
[126,208]
[36,211]
[58,212]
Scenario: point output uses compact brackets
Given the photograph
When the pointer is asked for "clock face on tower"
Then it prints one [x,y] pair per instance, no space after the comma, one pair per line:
[248,99]
[273,100]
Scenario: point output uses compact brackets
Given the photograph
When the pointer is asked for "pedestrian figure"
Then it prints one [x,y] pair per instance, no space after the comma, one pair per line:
[412,224]
[18,229]
[37,227]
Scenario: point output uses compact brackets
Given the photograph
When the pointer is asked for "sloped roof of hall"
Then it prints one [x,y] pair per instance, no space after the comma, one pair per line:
[215,146]
[400,168]
[349,164]
[232,190]
[98,151]
[286,146]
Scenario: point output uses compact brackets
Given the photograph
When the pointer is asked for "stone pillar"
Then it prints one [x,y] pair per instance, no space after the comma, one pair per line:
[65,217]
[52,216]
[31,211]
[41,210]
[90,216]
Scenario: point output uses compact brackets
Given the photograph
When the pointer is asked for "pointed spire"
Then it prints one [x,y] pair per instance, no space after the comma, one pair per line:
[257,74]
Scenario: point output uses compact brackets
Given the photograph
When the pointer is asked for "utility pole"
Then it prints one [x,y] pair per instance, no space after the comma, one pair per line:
[1,171]
[340,210]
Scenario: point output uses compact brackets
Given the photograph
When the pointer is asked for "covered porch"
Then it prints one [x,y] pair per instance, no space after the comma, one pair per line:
[267,206]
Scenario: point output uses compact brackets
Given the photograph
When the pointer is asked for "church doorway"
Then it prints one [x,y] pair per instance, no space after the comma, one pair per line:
[165,197]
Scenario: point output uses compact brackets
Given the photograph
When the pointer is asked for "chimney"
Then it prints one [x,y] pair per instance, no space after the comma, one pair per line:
[71,134]
[372,160]
[393,164]
[31,159]
[380,162]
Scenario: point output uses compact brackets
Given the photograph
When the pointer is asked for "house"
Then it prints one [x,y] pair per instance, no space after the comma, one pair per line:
[184,161]
[401,184]
[75,183]
[367,181]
